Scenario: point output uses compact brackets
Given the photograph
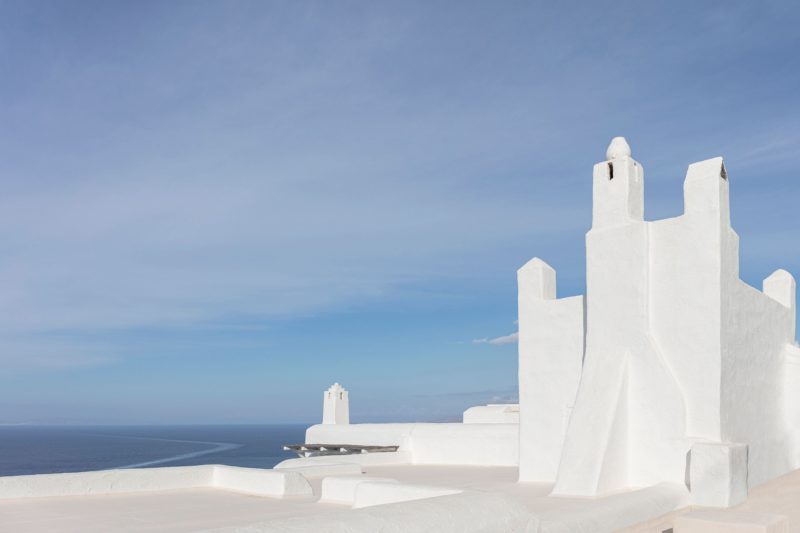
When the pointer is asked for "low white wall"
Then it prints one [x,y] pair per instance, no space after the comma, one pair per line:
[359,434]
[255,481]
[507,413]
[106,481]
[466,444]
[260,482]
[445,444]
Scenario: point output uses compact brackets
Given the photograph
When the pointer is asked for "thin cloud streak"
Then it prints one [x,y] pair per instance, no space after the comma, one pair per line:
[504,339]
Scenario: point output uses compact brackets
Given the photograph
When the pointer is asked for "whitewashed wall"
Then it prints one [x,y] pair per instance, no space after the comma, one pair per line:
[446,444]
[551,336]
[492,414]
[678,349]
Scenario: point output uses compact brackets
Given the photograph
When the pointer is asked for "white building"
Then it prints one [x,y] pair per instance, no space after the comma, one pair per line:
[670,369]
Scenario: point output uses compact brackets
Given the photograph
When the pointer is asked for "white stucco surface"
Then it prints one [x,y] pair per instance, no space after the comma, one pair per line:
[493,444]
[459,513]
[365,434]
[256,481]
[342,489]
[490,500]
[718,522]
[336,405]
[106,482]
[718,474]
[178,510]
[492,414]
[551,346]
[465,444]
[371,493]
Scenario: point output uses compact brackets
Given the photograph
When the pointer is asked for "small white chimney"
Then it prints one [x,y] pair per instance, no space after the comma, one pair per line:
[336,406]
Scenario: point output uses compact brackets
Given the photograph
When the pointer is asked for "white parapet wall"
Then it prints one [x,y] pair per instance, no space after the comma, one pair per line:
[428,443]
[260,481]
[255,481]
[106,481]
[465,444]
[493,413]
[362,434]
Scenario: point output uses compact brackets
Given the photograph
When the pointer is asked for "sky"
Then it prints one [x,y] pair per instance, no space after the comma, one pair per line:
[211,211]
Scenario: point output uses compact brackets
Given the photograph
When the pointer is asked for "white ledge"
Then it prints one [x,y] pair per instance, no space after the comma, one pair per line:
[255,481]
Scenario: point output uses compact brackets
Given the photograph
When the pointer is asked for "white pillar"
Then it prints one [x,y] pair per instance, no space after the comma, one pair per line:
[781,287]
[551,333]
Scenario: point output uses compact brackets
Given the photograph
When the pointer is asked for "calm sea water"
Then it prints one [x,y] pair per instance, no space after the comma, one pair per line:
[44,450]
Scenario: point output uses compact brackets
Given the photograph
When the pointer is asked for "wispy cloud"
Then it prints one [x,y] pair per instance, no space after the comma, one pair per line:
[39,353]
[202,196]
[504,339]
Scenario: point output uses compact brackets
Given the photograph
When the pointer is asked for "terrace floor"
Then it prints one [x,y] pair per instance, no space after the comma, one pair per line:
[208,508]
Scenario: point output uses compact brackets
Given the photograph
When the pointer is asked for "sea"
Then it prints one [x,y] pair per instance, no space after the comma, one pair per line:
[50,449]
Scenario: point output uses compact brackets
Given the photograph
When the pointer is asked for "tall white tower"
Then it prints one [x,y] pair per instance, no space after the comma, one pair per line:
[335,406]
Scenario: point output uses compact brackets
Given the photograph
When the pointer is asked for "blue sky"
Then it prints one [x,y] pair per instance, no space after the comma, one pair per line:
[213,210]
